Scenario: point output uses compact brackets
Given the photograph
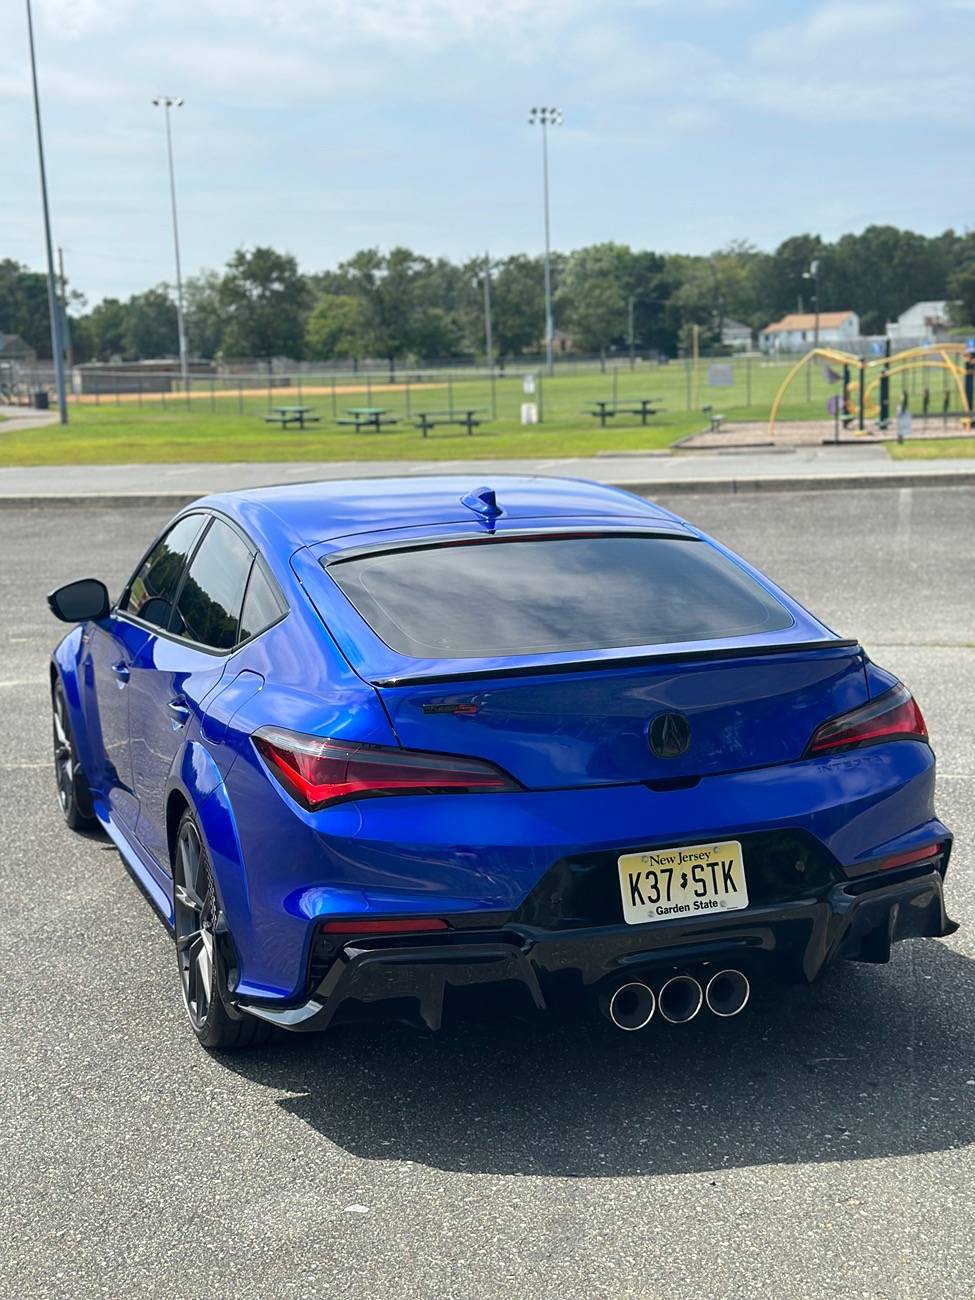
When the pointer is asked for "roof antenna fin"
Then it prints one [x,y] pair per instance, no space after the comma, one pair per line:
[484,502]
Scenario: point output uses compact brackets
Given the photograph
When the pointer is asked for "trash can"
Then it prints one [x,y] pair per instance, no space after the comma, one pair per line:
[41,402]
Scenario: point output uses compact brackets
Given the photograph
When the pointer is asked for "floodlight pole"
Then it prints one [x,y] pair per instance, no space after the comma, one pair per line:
[53,305]
[167,102]
[546,117]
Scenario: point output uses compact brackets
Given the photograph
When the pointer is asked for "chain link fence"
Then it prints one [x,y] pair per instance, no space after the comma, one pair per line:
[740,387]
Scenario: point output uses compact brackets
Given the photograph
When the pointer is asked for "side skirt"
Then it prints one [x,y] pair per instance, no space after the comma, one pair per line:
[156,886]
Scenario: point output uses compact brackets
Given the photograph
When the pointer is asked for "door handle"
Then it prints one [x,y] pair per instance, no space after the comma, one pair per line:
[121,671]
[180,713]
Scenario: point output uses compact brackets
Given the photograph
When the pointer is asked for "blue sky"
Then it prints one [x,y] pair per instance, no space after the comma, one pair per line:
[323,126]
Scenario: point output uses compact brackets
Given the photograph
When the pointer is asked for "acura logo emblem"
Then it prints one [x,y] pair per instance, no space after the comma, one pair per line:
[670,735]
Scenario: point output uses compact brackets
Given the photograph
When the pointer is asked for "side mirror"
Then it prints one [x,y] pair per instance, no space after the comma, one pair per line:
[77,602]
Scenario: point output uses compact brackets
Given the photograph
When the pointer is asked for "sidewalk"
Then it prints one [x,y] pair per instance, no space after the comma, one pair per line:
[801,469]
[25,417]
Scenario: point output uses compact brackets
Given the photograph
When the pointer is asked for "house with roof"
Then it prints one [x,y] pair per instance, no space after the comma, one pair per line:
[13,348]
[925,322]
[797,331]
[735,334]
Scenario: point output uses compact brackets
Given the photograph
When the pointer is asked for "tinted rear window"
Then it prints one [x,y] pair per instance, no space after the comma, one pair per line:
[493,599]
[261,604]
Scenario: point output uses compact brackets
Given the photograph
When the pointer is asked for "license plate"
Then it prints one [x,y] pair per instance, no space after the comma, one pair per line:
[696,880]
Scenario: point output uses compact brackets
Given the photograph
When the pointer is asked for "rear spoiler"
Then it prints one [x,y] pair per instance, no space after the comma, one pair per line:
[626,661]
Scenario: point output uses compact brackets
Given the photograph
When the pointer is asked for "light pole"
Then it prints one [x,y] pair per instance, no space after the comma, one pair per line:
[546,117]
[630,335]
[813,274]
[167,102]
[53,303]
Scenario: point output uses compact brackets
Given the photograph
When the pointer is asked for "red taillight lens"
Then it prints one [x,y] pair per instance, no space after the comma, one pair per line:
[388,925]
[317,772]
[912,855]
[892,716]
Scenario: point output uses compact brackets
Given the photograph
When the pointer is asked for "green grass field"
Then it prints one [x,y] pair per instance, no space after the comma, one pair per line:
[935,449]
[217,424]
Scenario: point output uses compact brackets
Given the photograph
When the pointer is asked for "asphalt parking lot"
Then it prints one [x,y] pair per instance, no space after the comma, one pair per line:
[821,1145]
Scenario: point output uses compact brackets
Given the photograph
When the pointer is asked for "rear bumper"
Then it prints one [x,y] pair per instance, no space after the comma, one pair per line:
[547,969]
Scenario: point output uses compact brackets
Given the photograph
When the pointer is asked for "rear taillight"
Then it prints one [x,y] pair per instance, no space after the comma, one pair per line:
[317,772]
[892,716]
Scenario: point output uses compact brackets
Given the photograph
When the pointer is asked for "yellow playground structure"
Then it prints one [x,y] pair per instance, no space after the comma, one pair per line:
[865,394]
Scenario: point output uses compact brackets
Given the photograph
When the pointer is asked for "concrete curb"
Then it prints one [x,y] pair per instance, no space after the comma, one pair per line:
[647,488]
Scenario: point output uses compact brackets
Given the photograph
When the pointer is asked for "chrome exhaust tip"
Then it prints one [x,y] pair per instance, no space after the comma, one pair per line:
[631,1006]
[727,993]
[680,999]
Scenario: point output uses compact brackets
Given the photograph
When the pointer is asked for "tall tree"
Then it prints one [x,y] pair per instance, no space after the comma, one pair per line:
[105,328]
[962,289]
[205,323]
[24,307]
[882,271]
[518,305]
[338,327]
[150,328]
[780,283]
[593,296]
[264,298]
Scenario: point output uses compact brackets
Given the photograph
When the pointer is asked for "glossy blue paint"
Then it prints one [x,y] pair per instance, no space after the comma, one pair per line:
[575,736]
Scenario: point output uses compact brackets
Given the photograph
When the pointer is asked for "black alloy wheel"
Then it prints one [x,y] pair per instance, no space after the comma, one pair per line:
[73,796]
[197,924]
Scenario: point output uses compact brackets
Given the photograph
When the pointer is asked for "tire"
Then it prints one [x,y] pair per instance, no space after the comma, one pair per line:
[198,920]
[73,794]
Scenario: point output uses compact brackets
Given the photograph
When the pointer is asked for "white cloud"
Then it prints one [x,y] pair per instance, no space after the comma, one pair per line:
[72,19]
[830,25]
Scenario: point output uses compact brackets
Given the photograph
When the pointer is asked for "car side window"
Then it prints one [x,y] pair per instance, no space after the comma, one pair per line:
[150,594]
[262,606]
[209,603]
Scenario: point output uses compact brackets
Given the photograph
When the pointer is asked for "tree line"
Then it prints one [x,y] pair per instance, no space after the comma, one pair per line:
[402,305]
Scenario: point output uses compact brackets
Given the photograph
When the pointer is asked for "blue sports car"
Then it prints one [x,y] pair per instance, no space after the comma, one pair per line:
[410,747]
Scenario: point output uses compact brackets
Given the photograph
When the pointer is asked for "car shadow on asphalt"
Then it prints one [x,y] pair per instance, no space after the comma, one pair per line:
[870,1062]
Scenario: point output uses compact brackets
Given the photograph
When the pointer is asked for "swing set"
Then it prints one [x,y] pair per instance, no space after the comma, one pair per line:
[866,384]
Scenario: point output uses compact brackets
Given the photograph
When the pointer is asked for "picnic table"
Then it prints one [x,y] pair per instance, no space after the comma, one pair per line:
[285,415]
[605,408]
[368,417]
[465,416]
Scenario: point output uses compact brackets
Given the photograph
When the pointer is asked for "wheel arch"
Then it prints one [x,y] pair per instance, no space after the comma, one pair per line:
[197,785]
[176,804]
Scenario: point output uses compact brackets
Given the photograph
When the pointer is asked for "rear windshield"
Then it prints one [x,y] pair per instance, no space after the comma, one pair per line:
[505,598]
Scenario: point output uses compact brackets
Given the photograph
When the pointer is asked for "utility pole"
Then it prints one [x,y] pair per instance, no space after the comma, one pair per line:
[546,117]
[57,350]
[65,324]
[488,343]
[814,267]
[813,275]
[167,102]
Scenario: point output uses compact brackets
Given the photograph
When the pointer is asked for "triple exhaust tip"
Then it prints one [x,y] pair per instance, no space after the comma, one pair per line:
[632,1005]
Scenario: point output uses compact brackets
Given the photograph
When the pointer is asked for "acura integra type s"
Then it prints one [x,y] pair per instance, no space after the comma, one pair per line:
[407,748]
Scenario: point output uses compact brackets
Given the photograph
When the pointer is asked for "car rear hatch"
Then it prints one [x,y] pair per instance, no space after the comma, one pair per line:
[523,654]
[587,728]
